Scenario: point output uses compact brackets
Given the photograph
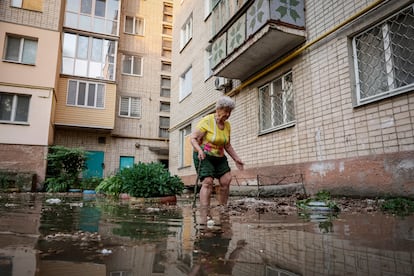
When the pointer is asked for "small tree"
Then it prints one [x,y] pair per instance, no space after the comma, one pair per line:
[63,168]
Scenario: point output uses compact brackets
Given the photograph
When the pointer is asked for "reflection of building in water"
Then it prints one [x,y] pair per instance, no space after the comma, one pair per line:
[19,231]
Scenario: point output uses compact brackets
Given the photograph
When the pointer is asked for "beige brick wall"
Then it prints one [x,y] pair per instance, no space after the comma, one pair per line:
[328,126]
[48,18]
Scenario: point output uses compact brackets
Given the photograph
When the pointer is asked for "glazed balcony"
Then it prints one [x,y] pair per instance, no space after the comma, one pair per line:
[250,35]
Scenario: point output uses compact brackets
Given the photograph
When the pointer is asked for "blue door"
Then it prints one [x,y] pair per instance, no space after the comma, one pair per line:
[126,162]
[94,164]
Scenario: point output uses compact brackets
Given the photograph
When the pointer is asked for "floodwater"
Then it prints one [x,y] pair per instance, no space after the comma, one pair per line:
[45,234]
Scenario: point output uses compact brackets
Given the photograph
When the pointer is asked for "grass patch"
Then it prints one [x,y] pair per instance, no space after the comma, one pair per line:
[398,206]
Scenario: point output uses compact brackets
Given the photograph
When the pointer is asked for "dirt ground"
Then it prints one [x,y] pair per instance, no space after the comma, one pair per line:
[287,205]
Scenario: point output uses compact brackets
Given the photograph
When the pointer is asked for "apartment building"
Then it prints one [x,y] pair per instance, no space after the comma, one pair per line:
[100,81]
[323,91]
[29,45]
[127,69]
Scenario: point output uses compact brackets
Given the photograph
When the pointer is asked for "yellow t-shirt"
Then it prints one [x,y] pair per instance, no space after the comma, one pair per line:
[214,139]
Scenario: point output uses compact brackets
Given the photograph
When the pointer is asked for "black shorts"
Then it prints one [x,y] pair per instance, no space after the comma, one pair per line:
[211,166]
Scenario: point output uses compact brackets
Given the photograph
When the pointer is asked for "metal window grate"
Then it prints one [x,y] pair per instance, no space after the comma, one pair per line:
[277,103]
[385,57]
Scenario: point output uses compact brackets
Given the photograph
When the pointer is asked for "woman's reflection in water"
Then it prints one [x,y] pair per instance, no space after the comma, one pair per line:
[211,247]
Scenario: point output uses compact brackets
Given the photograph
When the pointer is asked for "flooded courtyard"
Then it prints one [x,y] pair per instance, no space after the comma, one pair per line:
[76,234]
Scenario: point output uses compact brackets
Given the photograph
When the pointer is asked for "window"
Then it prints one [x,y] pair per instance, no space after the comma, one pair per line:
[164,107]
[20,49]
[165,86]
[33,5]
[134,25]
[185,84]
[132,65]
[100,16]
[130,107]
[87,94]
[276,104]
[164,126]
[168,11]
[165,66]
[186,149]
[14,108]
[186,32]
[383,58]
[88,56]
[208,63]
[166,30]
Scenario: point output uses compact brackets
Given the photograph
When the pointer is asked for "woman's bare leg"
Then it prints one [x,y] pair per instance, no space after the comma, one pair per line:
[224,188]
[205,194]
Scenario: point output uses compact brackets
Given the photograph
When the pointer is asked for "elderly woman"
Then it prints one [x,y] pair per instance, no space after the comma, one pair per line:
[210,140]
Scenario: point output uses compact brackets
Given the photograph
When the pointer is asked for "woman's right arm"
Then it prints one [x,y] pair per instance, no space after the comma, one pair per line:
[196,139]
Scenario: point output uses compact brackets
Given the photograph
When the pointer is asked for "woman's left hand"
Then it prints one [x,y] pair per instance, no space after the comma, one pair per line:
[239,164]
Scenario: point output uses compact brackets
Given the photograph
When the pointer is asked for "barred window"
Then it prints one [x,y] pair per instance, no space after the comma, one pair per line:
[276,104]
[14,108]
[87,94]
[384,58]
[130,107]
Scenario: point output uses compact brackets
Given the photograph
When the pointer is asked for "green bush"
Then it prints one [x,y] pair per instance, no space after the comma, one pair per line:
[63,168]
[398,206]
[150,180]
[90,183]
[111,185]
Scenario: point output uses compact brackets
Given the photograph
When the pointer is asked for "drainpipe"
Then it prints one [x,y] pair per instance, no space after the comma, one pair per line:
[301,49]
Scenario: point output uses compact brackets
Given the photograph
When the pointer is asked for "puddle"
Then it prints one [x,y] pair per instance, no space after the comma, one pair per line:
[41,234]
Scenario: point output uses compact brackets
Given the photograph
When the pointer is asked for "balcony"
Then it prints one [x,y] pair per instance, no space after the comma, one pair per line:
[255,34]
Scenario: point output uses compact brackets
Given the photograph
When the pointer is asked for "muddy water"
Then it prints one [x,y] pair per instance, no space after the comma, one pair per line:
[43,234]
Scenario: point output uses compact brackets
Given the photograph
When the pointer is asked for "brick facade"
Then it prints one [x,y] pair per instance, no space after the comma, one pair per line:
[334,143]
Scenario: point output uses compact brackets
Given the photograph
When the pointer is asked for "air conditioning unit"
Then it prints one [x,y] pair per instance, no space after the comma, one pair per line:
[222,83]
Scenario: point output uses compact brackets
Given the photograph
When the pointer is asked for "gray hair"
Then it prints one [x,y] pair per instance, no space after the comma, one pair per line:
[225,101]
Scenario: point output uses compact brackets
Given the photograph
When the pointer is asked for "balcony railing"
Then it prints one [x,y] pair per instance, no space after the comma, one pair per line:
[249,35]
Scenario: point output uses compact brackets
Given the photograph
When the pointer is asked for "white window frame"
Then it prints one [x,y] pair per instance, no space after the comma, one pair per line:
[127,104]
[138,25]
[95,62]
[24,41]
[287,96]
[185,132]
[14,108]
[98,94]
[186,84]
[387,58]
[208,62]
[186,32]
[90,21]
[132,65]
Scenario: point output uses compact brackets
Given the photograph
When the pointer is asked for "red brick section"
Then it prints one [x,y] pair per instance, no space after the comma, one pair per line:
[367,176]
[24,158]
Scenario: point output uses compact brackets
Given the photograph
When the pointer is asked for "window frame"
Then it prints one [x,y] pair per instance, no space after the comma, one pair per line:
[132,67]
[21,50]
[86,94]
[84,63]
[387,59]
[15,108]
[134,31]
[186,32]
[163,128]
[130,103]
[287,91]
[185,84]
[185,134]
